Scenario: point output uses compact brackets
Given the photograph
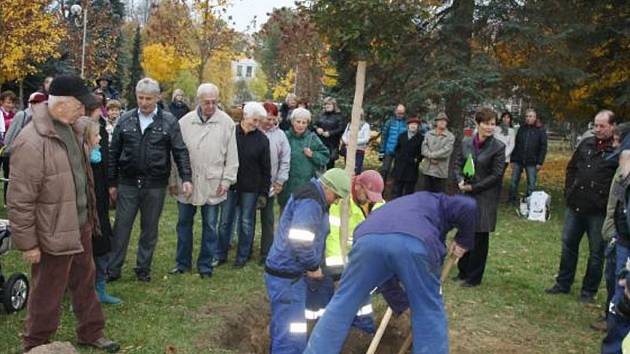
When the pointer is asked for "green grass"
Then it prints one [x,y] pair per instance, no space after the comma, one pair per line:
[509,313]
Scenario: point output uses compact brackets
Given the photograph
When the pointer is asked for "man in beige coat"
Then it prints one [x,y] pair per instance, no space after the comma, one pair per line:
[52,211]
[209,135]
[437,148]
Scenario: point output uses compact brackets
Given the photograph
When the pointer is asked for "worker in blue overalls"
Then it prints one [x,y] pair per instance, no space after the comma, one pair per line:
[297,251]
[367,190]
[402,241]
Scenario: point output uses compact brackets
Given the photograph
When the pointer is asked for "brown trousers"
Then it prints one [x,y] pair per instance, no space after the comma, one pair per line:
[50,278]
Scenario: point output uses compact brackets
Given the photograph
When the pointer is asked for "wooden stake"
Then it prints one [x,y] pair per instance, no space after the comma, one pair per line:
[351,150]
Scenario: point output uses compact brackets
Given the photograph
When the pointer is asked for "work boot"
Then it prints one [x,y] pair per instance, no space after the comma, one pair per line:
[104,344]
[103,296]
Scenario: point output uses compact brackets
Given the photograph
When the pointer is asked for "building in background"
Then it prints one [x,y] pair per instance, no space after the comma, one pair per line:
[244,69]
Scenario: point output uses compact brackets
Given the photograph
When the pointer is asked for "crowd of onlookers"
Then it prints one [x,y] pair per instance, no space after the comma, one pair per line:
[75,154]
[229,170]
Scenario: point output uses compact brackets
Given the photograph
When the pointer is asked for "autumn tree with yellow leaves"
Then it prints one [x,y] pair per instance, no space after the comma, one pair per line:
[30,36]
[163,63]
[195,38]
[290,42]
[210,32]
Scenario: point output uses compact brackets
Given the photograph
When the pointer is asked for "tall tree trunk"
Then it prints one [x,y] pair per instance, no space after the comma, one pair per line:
[21,95]
[200,69]
[351,152]
[459,36]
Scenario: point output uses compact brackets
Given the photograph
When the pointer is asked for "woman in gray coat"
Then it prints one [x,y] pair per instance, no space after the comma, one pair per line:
[484,184]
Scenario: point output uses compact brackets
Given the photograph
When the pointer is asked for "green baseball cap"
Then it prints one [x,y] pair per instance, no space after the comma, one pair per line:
[338,180]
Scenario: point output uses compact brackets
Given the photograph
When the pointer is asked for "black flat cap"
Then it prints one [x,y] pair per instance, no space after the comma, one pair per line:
[68,85]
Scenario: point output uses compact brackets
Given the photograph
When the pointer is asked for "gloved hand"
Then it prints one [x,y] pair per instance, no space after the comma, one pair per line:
[395,296]
[381,156]
[261,202]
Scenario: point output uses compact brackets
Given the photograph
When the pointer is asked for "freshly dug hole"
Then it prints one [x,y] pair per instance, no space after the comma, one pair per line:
[246,330]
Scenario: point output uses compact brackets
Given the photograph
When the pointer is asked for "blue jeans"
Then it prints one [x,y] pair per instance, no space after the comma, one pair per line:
[618,326]
[517,170]
[209,214]
[575,225]
[247,218]
[358,161]
[266,227]
[288,325]
[374,259]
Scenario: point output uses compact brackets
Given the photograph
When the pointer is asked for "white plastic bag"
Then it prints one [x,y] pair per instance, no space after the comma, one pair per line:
[539,205]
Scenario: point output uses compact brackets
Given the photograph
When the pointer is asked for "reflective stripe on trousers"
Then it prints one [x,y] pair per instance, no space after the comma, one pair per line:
[288,325]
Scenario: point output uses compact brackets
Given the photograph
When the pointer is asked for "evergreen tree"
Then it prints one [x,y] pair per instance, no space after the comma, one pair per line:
[135,71]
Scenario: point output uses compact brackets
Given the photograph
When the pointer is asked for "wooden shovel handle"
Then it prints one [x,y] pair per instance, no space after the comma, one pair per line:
[379,333]
[447,268]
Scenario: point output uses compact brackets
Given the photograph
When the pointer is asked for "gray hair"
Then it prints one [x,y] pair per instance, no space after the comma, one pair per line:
[207,89]
[531,110]
[301,113]
[148,86]
[253,109]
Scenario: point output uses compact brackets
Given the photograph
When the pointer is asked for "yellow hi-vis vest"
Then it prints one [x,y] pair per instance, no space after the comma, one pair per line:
[333,258]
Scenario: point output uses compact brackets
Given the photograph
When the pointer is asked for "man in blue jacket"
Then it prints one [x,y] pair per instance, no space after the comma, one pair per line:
[402,241]
[297,250]
[393,127]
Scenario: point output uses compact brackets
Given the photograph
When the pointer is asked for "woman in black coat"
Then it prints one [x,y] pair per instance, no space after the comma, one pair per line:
[329,127]
[484,185]
[178,107]
[407,159]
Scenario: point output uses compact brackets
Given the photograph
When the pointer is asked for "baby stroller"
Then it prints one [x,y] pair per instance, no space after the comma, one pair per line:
[14,290]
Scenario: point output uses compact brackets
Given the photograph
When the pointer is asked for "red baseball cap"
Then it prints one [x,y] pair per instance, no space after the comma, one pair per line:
[37,97]
[373,184]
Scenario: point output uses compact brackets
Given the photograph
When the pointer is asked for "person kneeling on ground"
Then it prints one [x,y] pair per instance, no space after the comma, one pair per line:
[402,241]
[297,250]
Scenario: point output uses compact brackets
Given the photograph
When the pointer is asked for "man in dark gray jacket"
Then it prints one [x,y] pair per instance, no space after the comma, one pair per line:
[530,149]
[588,178]
[139,168]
